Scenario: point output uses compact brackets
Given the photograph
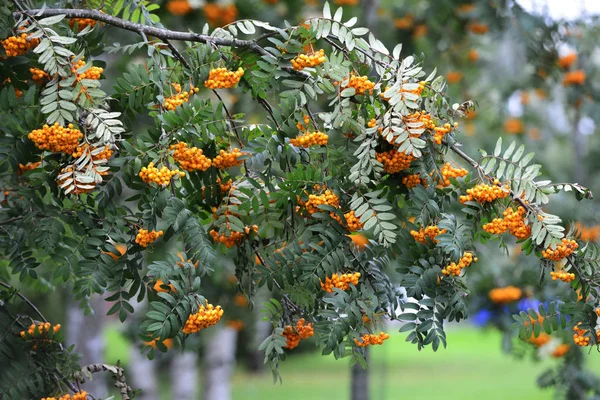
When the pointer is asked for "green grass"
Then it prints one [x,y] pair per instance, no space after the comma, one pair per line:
[473,366]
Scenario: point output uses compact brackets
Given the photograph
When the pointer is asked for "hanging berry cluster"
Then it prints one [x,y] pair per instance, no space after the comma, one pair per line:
[394,161]
[505,295]
[39,76]
[563,276]
[90,73]
[230,238]
[222,78]
[228,159]
[563,250]
[103,154]
[28,167]
[204,318]
[430,232]
[145,237]
[450,172]
[82,23]
[361,84]
[352,222]
[159,287]
[340,281]
[56,138]
[308,60]
[295,334]
[411,181]
[315,200]
[162,177]
[371,339]
[18,45]
[513,222]
[464,262]
[579,337]
[179,7]
[190,158]
[310,139]
[485,193]
[82,395]
[42,329]
[180,97]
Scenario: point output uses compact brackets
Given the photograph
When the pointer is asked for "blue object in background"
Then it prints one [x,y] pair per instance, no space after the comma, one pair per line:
[482,317]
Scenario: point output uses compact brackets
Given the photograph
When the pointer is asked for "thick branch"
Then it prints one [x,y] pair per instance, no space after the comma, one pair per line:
[119,376]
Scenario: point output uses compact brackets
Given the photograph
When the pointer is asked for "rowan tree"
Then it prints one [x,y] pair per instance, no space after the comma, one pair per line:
[348,185]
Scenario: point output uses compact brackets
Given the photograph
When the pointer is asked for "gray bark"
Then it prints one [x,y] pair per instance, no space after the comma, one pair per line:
[219,364]
[142,374]
[359,381]
[184,376]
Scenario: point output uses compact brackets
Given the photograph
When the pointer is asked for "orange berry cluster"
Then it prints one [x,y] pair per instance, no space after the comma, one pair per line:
[505,295]
[308,60]
[394,161]
[28,167]
[561,350]
[222,78]
[563,276]
[513,221]
[371,339]
[574,78]
[454,76]
[441,131]
[340,281]
[300,331]
[220,15]
[361,84]
[310,139]
[579,336]
[18,45]
[567,60]
[315,200]
[56,138]
[158,287]
[190,159]
[304,127]
[161,177]
[411,181]
[38,75]
[82,23]
[91,73]
[352,222]
[145,237]
[563,250]
[82,395]
[478,28]
[236,324]
[589,234]
[485,193]
[449,172]
[179,7]
[541,340]
[227,159]
[105,154]
[41,328]
[174,101]
[346,2]
[428,232]
[416,91]
[204,318]
[464,262]
[231,238]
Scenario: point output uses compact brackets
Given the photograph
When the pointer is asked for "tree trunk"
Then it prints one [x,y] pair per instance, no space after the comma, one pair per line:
[184,376]
[359,381]
[219,363]
[142,374]
[86,333]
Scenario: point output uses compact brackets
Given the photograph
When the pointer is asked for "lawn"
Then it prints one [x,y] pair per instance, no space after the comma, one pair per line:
[472,366]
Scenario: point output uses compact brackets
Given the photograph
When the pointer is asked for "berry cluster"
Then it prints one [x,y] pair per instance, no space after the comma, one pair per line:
[104,154]
[441,131]
[454,76]
[574,78]
[222,78]
[428,232]
[228,159]
[505,294]
[561,350]
[588,233]
[539,341]
[38,75]
[82,23]
[174,101]
[189,261]
[168,343]
[352,222]
[485,193]
[18,45]
[513,222]
[563,276]
[82,395]
[90,73]
[567,60]
[579,337]
[394,161]
[304,127]
[411,181]
[478,28]
[310,139]
[42,329]
[179,7]
[361,84]
[416,91]
[145,237]
[294,334]
[161,177]
[190,159]
[340,281]
[220,15]
[231,238]
[27,167]
[308,60]
[315,200]
[56,138]
[464,262]
[449,172]
[371,339]
[159,286]
[204,318]
[563,250]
